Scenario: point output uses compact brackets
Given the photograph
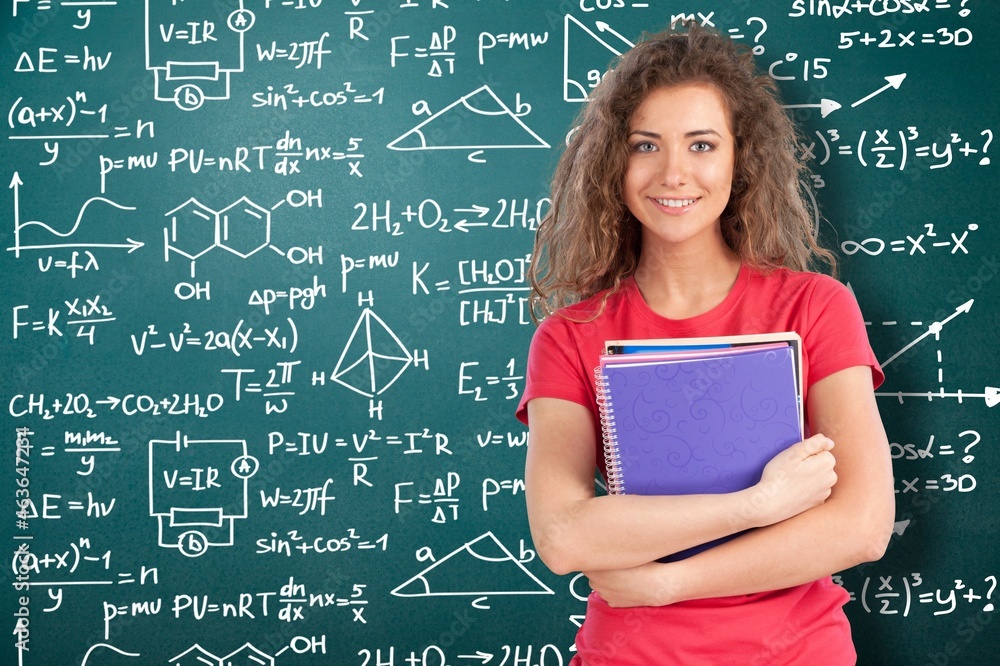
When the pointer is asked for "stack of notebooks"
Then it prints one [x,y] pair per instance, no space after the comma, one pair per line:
[697,415]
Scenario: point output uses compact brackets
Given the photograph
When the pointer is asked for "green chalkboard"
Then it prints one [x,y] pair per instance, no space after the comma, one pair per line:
[265,323]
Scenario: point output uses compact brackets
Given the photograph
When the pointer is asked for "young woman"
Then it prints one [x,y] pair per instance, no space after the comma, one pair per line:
[678,211]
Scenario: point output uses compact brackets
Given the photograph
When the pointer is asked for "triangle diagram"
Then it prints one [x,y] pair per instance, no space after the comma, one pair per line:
[373,359]
[479,568]
[475,121]
[583,65]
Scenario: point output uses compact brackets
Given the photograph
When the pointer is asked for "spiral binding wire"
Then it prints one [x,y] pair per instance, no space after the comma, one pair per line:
[609,434]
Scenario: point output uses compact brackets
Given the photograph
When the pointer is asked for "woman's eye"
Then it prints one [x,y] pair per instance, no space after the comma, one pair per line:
[702,147]
[643,147]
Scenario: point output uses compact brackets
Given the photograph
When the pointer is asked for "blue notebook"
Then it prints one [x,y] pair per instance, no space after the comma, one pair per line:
[697,419]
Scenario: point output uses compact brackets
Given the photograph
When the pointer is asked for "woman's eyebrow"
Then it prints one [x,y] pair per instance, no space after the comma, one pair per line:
[687,135]
[701,132]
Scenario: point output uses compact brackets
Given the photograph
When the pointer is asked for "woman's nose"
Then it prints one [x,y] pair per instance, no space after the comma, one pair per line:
[672,170]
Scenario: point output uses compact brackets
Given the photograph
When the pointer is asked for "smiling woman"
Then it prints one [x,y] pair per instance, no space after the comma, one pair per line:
[677,213]
[679,177]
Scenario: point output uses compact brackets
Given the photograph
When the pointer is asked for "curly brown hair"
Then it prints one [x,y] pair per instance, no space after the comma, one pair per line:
[589,241]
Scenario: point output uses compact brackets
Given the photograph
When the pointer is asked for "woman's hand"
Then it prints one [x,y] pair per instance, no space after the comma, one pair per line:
[795,480]
[644,585]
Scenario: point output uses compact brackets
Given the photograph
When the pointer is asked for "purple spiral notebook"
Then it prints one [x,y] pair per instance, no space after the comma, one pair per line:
[679,423]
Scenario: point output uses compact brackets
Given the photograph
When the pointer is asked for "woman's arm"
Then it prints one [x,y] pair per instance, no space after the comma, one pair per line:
[575,531]
[851,527]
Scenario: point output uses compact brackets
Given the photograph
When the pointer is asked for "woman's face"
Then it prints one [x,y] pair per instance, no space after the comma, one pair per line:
[680,168]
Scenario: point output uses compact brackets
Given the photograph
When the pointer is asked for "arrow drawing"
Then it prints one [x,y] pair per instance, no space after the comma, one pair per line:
[893,82]
[933,329]
[604,27]
[580,57]
[131,245]
[991,395]
[15,184]
[825,106]
[464,224]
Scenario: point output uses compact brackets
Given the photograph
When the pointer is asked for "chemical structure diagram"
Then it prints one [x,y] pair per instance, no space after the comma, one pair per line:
[242,228]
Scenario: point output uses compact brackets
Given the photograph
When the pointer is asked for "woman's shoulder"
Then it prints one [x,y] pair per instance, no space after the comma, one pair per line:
[591,311]
[807,283]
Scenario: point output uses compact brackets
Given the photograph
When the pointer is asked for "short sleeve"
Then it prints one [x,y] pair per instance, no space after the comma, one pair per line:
[836,338]
[555,367]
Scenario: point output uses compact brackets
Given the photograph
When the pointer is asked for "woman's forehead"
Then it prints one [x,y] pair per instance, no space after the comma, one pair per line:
[680,105]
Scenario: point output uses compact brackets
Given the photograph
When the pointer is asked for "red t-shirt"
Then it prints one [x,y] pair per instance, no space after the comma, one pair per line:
[802,624]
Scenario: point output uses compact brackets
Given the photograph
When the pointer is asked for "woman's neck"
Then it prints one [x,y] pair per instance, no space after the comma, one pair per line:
[684,285]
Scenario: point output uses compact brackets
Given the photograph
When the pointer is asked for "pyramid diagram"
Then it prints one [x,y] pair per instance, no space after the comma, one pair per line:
[583,65]
[481,567]
[373,358]
[475,121]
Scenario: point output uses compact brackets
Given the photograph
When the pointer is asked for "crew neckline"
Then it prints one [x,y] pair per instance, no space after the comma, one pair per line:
[689,324]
